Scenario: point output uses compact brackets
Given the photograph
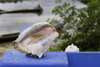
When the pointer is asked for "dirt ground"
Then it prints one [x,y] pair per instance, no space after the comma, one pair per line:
[5,46]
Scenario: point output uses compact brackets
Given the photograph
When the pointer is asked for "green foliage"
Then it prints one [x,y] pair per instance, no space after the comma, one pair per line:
[80,26]
[86,1]
[57,1]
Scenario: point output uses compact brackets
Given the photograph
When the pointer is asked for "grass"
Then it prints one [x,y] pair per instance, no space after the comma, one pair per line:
[5,46]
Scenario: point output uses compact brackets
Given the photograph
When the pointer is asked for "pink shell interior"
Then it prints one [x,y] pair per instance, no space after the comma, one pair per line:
[36,36]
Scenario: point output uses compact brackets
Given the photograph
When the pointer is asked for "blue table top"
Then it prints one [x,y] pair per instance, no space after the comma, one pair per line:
[14,58]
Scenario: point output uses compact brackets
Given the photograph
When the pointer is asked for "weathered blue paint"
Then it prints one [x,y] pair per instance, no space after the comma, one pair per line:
[83,59]
[52,59]
[14,58]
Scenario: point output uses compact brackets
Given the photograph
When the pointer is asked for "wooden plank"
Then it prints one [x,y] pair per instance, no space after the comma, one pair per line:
[36,9]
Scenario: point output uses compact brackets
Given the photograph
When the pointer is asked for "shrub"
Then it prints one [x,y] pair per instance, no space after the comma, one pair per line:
[78,26]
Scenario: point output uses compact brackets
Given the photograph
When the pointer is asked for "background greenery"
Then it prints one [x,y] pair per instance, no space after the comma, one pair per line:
[78,26]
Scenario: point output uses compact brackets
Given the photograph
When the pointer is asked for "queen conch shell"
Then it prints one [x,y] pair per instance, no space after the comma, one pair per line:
[36,39]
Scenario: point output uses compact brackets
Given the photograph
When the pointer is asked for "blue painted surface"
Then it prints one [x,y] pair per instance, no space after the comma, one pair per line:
[14,58]
[52,59]
[83,59]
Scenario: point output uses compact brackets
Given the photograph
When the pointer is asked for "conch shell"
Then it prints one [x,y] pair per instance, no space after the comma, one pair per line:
[36,39]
